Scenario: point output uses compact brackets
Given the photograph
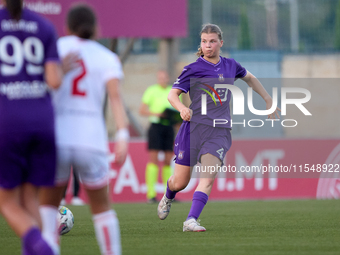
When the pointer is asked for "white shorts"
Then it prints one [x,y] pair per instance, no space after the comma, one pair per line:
[92,167]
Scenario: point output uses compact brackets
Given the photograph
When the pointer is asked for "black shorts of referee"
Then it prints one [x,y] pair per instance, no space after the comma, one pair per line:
[161,137]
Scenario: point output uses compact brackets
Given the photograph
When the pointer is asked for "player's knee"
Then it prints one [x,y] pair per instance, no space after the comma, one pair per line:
[179,185]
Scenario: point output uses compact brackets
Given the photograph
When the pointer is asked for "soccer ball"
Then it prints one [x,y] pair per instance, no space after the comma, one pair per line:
[65,220]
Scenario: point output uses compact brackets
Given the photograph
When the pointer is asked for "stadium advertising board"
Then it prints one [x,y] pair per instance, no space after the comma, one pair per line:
[128,18]
[272,169]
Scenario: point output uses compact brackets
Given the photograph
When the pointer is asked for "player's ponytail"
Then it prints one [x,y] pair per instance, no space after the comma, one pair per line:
[208,29]
[81,21]
[15,8]
[199,52]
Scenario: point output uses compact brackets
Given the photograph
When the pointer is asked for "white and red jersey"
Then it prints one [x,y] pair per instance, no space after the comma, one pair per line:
[79,101]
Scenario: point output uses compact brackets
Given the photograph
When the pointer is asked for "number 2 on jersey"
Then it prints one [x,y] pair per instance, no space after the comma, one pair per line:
[75,88]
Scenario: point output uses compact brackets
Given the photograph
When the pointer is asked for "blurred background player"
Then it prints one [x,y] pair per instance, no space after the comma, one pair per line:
[75,187]
[208,144]
[160,132]
[80,127]
[28,59]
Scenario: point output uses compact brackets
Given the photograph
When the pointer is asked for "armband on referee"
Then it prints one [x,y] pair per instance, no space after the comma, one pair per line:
[122,135]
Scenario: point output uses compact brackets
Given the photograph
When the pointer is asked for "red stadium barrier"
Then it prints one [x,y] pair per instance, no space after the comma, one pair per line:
[128,181]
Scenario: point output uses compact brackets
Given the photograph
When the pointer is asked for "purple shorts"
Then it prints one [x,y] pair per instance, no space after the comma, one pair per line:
[27,156]
[194,140]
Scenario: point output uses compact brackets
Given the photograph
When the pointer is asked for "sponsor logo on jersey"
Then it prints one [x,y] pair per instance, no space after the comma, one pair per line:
[23,89]
[214,91]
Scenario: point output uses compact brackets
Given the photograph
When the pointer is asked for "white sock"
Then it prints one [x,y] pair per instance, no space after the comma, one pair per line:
[106,226]
[50,233]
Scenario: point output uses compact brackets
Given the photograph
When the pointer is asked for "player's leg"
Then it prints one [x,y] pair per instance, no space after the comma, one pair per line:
[50,198]
[201,194]
[177,182]
[181,177]
[49,202]
[93,170]
[167,147]
[21,221]
[166,170]
[207,178]
[30,201]
[105,220]
[76,200]
[17,201]
[155,141]
[217,142]
[12,165]
[151,175]
[16,216]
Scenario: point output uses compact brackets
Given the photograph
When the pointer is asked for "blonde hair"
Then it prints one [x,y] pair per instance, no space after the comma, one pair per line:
[208,29]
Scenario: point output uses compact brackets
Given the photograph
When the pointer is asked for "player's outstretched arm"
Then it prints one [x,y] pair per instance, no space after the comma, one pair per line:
[119,114]
[256,85]
[174,100]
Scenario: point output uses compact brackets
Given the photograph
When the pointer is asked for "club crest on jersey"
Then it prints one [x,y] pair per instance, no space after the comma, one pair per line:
[180,154]
[220,77]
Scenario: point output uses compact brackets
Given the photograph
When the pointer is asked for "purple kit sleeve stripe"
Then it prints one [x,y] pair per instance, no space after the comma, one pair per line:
[180,89]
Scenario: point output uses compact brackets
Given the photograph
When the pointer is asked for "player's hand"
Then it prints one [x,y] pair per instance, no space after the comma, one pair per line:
[275,113]
[186,114]
[163,115]
[121,149]
[70,62]
[159,115]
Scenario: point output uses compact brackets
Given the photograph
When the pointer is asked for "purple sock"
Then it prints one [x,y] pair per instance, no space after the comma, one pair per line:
[169,193]
[33,243]
[199,200]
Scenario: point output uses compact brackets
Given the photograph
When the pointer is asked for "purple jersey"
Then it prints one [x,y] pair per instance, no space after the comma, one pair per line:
[27,139]
[25,46]
[204,77]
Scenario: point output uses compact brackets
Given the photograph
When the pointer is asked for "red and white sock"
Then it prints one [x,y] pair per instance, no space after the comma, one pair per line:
[106,226]
[50,233]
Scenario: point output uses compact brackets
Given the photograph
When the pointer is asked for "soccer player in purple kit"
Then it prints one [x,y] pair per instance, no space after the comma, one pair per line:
[209,143]
[28,60]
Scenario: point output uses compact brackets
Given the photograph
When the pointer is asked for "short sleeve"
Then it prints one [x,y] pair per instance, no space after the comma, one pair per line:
[240,71]
[183,81]
[51,52]
[114,69]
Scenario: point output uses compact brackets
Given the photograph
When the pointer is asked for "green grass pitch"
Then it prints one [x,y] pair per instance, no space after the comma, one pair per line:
[305,227]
